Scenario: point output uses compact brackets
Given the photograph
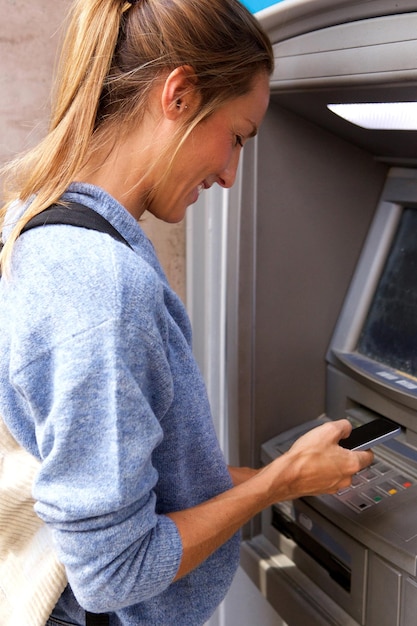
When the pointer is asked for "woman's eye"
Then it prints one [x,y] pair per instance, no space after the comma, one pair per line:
[239,141]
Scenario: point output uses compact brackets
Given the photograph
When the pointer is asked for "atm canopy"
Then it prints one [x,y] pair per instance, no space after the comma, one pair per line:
[344,53]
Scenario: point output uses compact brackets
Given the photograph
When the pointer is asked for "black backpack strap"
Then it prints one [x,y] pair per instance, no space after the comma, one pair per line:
[95,619]
[74,214]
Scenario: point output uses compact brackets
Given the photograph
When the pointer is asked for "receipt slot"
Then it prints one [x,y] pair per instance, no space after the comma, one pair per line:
[322,316]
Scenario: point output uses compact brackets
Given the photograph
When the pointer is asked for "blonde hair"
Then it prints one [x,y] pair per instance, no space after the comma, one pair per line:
[112,55]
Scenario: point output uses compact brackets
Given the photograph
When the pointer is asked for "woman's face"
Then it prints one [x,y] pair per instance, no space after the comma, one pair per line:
[211,153]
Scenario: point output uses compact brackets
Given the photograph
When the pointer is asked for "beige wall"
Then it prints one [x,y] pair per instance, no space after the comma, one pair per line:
[29,38]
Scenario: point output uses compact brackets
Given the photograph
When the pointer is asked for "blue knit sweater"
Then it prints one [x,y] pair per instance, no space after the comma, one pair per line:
[98,381]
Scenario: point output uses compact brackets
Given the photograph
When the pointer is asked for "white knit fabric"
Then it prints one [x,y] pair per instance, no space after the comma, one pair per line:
[31,578]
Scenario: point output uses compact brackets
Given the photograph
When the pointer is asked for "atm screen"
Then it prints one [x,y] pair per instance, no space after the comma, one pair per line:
[389,335]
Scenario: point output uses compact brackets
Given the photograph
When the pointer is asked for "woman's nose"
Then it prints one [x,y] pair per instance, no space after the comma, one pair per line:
[227,177]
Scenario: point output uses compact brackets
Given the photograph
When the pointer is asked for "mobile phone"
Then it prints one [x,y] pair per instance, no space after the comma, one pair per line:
[370,434]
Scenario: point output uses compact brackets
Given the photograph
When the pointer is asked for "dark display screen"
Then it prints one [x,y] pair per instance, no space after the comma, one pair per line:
[389,335]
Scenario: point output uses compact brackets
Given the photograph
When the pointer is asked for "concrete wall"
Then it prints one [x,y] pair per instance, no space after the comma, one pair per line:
[29,40]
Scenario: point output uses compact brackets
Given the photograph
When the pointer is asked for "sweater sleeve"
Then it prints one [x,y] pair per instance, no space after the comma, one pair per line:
[98,394]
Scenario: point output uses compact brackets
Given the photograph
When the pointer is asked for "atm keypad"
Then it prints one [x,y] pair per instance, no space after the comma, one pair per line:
[372,485]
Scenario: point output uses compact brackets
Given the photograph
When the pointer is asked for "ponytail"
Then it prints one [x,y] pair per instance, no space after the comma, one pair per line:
[86,58]
[46,171]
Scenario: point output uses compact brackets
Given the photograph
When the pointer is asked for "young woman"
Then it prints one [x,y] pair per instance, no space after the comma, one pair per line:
[155,100]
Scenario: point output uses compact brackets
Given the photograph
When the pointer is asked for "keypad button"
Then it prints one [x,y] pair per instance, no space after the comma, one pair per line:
[388,488]
[382,468]
[357,480]
[368,474]
[358,502]
[374,495]
[402,480]
[342,491]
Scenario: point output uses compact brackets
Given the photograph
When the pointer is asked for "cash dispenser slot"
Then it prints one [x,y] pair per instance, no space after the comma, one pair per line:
[337,570]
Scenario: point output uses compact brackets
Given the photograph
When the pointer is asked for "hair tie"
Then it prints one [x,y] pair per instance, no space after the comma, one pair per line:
[128,4]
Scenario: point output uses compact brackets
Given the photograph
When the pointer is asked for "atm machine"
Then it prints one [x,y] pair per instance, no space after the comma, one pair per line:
[322,305]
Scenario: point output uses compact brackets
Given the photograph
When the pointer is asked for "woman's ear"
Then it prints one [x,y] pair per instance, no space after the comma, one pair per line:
[180,94]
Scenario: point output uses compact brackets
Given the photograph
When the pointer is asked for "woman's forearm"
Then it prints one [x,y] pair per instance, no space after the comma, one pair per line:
[204,528]
[315,464]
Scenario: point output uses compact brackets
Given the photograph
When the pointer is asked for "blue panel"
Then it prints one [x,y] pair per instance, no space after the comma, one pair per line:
[257,5]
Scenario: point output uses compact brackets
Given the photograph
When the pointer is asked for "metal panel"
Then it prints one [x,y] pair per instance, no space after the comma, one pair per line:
[409,602]
[374,50]
[292,594]
[295,17]
[383,594]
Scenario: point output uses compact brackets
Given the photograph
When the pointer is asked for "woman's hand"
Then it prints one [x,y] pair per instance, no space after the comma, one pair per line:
[316,464]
